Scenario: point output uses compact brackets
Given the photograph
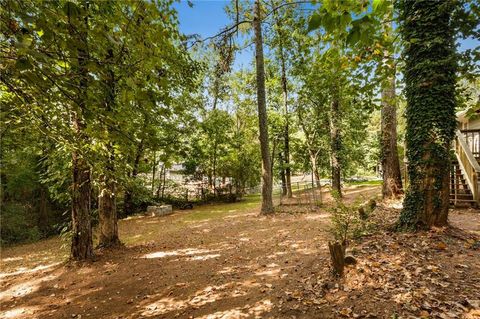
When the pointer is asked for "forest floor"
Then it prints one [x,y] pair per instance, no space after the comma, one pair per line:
[224,261]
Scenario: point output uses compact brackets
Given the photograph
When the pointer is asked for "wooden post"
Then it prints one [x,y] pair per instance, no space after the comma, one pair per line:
[337,255]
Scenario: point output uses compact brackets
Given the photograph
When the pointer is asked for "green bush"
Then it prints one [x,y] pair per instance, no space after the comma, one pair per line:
[17,225]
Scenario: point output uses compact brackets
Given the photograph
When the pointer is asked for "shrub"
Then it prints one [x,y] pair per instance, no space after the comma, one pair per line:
[17,224]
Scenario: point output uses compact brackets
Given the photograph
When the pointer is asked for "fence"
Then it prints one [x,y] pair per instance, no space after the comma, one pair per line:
[303,193]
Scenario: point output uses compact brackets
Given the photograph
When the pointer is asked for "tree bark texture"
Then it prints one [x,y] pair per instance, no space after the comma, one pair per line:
[392,177]
[337,256]
[82,243]
[107,203]
[267,204]
[430,78]
[335,146]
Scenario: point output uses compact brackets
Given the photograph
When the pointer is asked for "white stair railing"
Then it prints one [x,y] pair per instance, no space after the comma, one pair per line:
[468,164]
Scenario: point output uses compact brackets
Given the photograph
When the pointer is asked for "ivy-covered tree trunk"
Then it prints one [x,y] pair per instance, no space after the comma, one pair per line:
[430,90]
[82,243]
[392,178]
[335,145]
[267,204]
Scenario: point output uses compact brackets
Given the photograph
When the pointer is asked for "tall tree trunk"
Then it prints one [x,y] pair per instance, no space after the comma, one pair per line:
[107,202]
[285,107]
[267,204]
[430,78]
[82,243]
[392,178]
[335,145]
[107,209]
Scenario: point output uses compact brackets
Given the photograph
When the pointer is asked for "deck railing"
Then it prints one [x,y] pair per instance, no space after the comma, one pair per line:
[472,137]
[468,164]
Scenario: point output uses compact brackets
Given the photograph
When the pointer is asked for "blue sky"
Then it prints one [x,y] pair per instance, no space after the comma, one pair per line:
[207,17]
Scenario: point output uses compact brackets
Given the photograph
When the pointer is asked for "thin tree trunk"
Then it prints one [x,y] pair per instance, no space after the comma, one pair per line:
[392,178]
[282,174]
[163,182]
[267,204]
[272,156]
[285,107]
[154,170]
[313,161]
[335,145]
[215,146]
[82,243]
[128,198]
[160,181]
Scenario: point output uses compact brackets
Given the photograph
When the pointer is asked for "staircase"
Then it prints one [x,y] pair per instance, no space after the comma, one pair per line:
[465,176]
[460,193]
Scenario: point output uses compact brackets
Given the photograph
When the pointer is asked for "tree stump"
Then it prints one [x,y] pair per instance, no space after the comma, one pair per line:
[337,255]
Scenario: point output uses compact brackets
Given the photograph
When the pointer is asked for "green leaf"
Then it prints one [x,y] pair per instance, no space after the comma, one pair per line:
[314,22]
[377,4]
[23,64]
[71,9]
[353,36]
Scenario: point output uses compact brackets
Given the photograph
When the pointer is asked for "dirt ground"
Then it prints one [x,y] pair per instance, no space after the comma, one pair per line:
[224,261]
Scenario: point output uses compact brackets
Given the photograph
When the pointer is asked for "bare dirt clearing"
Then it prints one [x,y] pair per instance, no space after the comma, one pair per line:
[223,261]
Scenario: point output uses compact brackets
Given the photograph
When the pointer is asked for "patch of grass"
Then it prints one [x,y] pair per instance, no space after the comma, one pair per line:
[220,210]
[373,182]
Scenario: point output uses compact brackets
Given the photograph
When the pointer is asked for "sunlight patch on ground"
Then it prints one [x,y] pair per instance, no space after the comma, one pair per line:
[202,297]
[179,252]
[24,288]
[228,270]
[248,311]
[204,257]
[12,259]
[268,273]
[317,216]
[25,270]
[275,255]
[307,251]
[23,312]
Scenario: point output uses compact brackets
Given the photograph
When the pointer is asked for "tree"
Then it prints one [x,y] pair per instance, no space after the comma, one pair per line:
[430,79]
[281,53]
[392,178]
[87,75]
[82,245]
[267,204]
